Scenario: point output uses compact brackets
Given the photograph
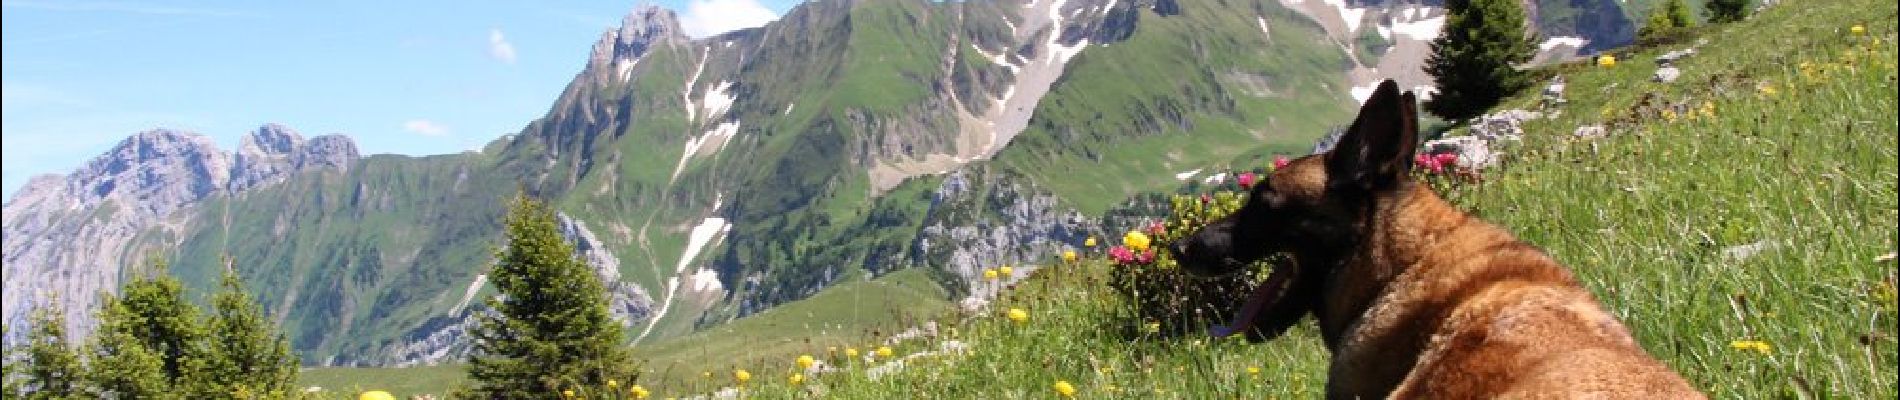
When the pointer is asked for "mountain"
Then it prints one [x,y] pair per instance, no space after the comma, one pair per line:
[717,177]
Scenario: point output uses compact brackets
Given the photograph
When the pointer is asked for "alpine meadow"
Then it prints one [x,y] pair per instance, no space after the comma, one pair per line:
[888,199]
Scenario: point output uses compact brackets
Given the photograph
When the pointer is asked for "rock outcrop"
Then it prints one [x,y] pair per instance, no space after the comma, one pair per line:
[136,188]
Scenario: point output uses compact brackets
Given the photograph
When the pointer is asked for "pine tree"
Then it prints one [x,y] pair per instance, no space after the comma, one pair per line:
[549,329]
[248,355]
[151,317]
[1475,57]
[1725,11]
[119,365]
[53,369]
[1667,17]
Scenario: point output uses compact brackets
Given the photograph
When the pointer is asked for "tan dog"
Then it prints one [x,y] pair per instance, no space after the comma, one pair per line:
[1414,298]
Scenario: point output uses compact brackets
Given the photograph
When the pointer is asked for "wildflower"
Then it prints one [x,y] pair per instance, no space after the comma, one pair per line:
[1857,29]
[639,392]
[1006,271]
[884,352]
[1018,315]
[1065,389]
[1606,61]
[851,352]
[1090,242]
[1121,255]
[832,350]
[1446,159]
[797,379]
[806,361]
[377,395]
[1669,115]
[1246,180]
[705,374]
[613,383]
[1280,162]
[1153,327]
[567,393]
[1136,241]
[1145,257]
[1156,228]
[989,274]
[742,376]
[1768,89]
[1206,198]
[1755,345]
[1068,256]
[1255,371]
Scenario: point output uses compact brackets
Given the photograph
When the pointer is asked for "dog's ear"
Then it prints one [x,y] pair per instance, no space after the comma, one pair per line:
[1376,152]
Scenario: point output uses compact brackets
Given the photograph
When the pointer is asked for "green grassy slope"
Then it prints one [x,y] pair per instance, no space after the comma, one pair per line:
[1797,150]
[1187,91]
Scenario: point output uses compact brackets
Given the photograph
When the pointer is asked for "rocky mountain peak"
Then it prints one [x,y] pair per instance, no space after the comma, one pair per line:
[269,139]
[641,29]
[274,151]
[159,170]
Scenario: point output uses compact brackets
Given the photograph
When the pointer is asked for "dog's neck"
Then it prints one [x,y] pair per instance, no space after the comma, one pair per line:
[1403,226]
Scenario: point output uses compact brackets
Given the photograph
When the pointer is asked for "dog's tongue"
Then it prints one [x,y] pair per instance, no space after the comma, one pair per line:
[1266,292]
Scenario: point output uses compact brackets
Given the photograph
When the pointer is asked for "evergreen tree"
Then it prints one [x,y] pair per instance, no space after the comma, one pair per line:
[1474,59]
[248,355]
[549,329]
[150,317]
[1725,11]
[53,369]
[119,365]
[1665,18]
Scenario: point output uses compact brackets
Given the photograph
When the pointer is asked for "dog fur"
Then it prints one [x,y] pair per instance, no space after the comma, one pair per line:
[1414,298]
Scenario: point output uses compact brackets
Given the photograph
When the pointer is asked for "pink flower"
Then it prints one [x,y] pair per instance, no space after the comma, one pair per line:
[1205,198]
[1423,160]
[1121,255]
[1280,162]
[1145,257]
[1447,159]
[1157,228]
[1246,180]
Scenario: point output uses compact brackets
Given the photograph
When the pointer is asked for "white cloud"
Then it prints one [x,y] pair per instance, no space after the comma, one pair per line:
[425,127]
[711,17]
[499,48]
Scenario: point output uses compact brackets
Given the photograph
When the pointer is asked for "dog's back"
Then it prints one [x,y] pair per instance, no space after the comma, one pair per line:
[1492,316]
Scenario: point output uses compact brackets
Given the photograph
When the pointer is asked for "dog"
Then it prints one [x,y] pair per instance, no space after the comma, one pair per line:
[1414,298]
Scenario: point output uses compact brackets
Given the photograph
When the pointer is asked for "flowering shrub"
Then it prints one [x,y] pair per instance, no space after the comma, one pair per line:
[1166,300]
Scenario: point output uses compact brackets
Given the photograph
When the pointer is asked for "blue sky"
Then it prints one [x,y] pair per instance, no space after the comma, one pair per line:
[406,77]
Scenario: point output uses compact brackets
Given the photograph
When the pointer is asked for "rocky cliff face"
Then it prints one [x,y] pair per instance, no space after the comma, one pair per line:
[69,238]
[981,219]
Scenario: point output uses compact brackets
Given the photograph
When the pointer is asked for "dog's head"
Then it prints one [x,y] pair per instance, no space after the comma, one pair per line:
[1313,210]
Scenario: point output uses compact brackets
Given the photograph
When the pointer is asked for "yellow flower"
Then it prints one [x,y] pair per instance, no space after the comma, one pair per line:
[1606,61]
[1755,345]
[613,383]
[797,379]
[1669,115]
[1068,256]
[884,352]
[1154,327]
[1708,109]
[1090,242]
[1768,89]
[1857,29]
[990,273]
[1006,271]
[851,352]
[805,362]
[1018,315]
[375,395]
[1253,371]
[567,393]
[1065,389]
[741,376]
[639,392]
[1135,240]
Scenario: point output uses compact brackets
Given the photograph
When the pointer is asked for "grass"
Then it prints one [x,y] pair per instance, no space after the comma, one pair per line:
[401,382]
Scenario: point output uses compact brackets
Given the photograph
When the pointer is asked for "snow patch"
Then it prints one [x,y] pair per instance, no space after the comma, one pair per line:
[722,134]
[1187,175]
[717,100]
[1351,16]
[1263,26]
[1572,41]
[1422,29]
[626,69]
[469,294]
[687,93]
[788,109]
[705,280]
[1216,179]
[1361,93]
[1001,58]
[1063,53]
[1424,92]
